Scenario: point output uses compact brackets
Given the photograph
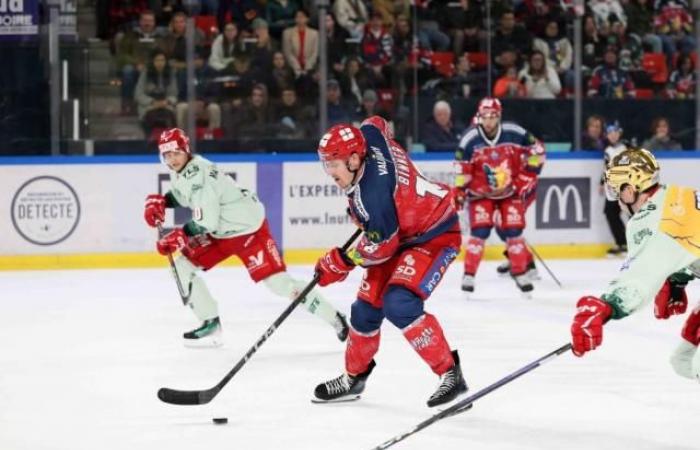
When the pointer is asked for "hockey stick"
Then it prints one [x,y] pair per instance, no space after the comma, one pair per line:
[185,297]
[177,397]
[466,403]
[539,258]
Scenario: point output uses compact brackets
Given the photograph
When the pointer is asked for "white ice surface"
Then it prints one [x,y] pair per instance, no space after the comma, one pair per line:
[84,353]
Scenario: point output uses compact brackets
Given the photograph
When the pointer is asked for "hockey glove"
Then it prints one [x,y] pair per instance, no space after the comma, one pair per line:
[691,329]
[587,329]
[154,210]
[670,300]
[333,267]
[172,242]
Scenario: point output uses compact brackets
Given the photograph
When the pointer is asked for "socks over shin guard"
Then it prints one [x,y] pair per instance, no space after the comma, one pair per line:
[360,349]
[427,339]
[201,302]
[284,285]
[472,256]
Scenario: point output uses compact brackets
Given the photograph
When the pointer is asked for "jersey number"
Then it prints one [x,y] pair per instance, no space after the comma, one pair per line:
[424,186]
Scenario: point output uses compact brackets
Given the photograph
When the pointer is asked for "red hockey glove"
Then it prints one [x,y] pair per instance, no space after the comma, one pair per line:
[172,242]
[587,329]
[333,267]
[691,329]
[460,197]
[154,210]
[670,300]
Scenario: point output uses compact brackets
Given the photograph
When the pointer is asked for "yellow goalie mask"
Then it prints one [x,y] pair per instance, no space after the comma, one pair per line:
[636,167]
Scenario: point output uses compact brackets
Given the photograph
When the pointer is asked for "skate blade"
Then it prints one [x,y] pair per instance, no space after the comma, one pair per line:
[349,398]
[203,343]
[443,406]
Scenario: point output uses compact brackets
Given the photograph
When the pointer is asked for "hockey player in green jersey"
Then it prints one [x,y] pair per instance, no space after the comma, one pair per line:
[226,220]
[663,238]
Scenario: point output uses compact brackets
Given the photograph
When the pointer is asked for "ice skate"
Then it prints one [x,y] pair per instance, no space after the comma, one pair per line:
[532,272]
[468,283]
[524,284]
[341,327]
[503,269]
[451,386]
[207,335]
[617,251]
[344,388]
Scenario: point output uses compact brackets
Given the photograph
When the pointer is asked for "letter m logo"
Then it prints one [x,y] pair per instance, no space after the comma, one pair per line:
[564,203]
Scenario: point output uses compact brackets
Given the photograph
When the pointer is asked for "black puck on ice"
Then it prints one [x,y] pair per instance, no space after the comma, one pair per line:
[220,420]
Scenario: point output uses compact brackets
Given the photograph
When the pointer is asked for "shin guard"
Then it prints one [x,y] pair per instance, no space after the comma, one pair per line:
[518,255]
[473,255]
[360,350]
[426,337]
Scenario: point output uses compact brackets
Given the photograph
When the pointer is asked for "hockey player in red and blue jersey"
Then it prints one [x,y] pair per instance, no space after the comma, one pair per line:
[497,167]
[411,235]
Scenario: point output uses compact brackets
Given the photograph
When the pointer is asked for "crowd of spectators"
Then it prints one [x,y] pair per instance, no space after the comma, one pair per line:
[258,61]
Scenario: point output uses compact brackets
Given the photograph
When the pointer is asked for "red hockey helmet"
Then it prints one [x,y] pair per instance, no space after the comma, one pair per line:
[380,123]
[340,142]
[173,140]
[489,106]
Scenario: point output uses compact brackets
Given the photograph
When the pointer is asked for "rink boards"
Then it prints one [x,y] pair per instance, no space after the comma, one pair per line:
[87,211]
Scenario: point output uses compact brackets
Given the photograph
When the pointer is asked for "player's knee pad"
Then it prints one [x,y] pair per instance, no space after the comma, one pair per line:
[509,233]
[682,359]
[281,284]
[481,232]
[401,306]
[364,317]
[186,271]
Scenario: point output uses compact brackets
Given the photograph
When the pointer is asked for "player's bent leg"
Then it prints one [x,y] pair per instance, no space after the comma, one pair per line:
[696,364]
[284,285]
[520,258]
[362,345]
[423,331]
[473,255]
[682,360]
[203,306]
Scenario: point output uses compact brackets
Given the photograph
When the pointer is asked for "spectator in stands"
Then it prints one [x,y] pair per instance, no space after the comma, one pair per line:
[440,133]
[557,51]
[506,60]
[174,43]
[640,19]
[681,83]
[207,111]
[605,11]
[282,75]
[252,118]
[464,22]
[661,139]
[628,46]
[593,138]
[354,80]
[280,15]
[509,85]
[133,51]
[593,45]
[224,50]
[377,49]
[390,9]
[540,79]
[538,13]
[352,15]
[156,94]
[609,81]
[674,24]
[510,35]
[293,119]
[300,46]
[165,10]
[338,111]
[465,83]
[243,13]
[337,46]
[370,107]
[429,34]
[261,54]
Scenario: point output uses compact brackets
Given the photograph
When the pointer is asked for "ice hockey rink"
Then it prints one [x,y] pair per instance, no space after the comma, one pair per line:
[84,353]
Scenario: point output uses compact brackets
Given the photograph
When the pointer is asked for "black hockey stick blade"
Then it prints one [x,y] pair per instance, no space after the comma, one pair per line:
[464,404]
[178,397]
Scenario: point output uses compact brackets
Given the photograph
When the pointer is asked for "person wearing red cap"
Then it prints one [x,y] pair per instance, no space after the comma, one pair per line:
[227,220]
[411,236]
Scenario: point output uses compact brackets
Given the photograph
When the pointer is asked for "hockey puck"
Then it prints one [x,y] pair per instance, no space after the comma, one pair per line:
[220,420]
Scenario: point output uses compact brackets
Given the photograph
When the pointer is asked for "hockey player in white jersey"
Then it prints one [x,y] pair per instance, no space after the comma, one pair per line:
[663,237]
[226,220]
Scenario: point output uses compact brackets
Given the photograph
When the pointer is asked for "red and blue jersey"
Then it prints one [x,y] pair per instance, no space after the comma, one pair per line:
[502,166]
[395,204]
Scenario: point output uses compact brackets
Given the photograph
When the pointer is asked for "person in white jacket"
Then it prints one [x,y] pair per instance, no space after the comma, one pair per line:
[351,15]
[540,79]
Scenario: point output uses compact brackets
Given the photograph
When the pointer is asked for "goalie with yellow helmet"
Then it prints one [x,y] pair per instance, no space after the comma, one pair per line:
[663,237]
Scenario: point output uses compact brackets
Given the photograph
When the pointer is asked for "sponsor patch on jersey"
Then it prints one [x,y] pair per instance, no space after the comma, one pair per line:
[640,235]
[191,171]
[359,207]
